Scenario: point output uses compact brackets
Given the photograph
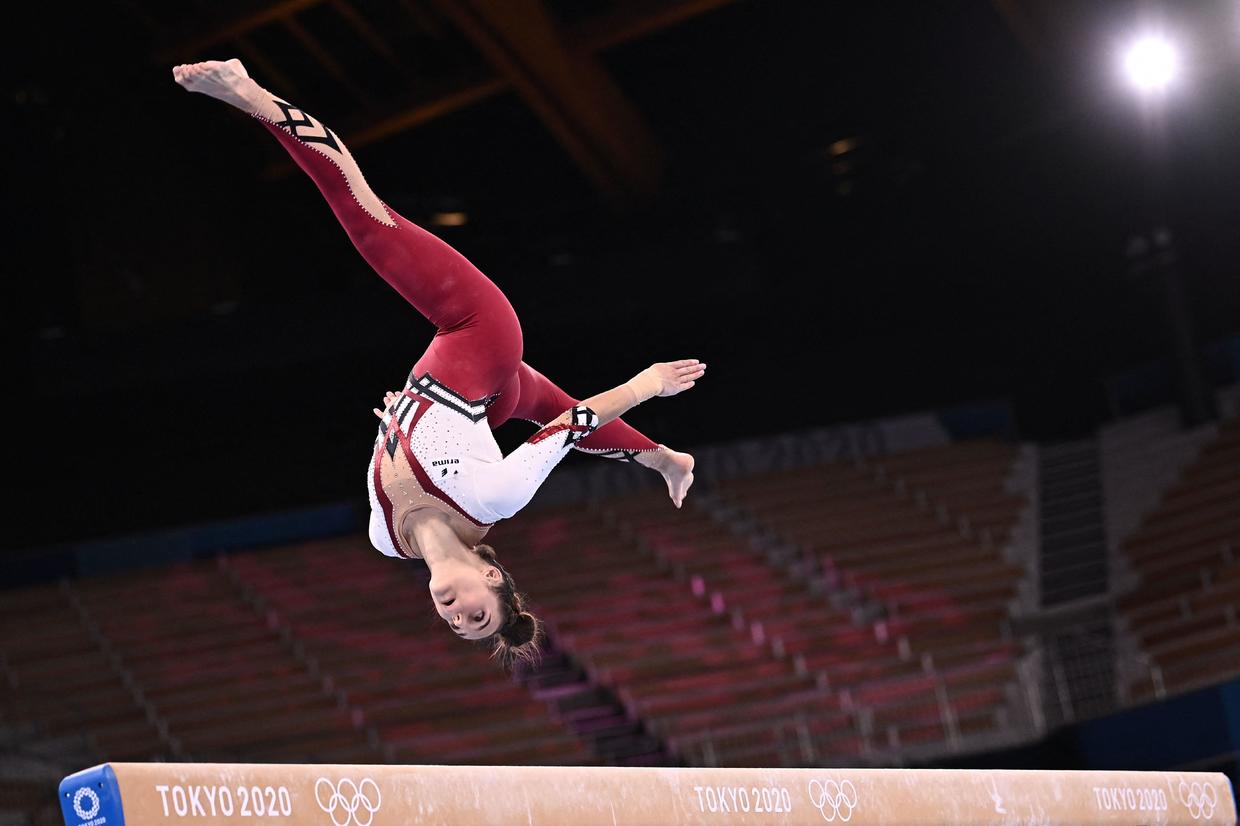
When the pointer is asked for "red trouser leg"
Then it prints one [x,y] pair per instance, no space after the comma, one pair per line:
[478,345]
[541,401]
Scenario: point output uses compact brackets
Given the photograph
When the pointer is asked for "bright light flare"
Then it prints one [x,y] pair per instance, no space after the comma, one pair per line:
[1152,64]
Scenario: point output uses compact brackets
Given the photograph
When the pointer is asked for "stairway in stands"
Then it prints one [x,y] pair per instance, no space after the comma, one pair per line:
[592,711]
[1078,676]
[630,615]
[1074,545]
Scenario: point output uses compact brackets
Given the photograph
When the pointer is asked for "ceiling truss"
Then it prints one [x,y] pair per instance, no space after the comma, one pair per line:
[554,69]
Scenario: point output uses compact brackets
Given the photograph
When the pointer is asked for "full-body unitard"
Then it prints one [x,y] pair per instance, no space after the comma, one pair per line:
[477,348]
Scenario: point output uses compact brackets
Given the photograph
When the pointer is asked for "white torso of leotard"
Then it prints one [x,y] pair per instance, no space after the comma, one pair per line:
[434,449]
[430,444]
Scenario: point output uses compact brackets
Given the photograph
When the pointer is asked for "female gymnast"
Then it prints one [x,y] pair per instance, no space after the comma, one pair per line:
[437,479]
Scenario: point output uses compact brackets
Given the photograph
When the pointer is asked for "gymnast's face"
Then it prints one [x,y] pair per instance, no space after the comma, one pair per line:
[464,599]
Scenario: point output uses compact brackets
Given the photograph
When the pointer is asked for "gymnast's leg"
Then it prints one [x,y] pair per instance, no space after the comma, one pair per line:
[540,401]
[478,345]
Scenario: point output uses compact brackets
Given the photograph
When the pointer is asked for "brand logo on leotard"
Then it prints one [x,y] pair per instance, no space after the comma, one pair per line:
[302,119]
[348,802]
[834,800]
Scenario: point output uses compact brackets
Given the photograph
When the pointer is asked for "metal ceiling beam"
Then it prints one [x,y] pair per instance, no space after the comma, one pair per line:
[311,44]
[633,21]
[636,20]
[266,69]
[432,107]
[367,32]
[231,28]
[569,91]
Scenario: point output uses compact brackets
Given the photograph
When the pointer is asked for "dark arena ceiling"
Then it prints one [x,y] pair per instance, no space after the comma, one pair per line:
[848,209]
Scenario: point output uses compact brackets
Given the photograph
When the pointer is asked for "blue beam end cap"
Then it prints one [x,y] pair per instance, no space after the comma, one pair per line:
[92,797]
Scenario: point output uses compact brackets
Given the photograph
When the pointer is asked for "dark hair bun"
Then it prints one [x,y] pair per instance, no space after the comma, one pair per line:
[521,630]
[517,640]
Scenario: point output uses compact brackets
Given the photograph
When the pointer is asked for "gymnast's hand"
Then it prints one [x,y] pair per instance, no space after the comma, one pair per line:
[667,378]
[389,398]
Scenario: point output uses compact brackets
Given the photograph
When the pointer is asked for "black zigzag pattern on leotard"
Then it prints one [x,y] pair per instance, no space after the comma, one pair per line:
[584,421]
[303,120]
[403,408]
[399,412]
[432,388]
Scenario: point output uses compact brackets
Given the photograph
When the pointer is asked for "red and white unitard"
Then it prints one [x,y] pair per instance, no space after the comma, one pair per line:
[434,448]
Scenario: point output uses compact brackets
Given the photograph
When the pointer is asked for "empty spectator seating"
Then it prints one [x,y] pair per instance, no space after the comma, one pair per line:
[1141,458]
[62,682]
[919,536]
[678,662]
[323,653]
[729,652]
[365,622]
[216,673]
[1186,553]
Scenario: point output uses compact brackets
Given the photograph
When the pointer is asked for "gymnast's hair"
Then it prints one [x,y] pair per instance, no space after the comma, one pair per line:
[517,639]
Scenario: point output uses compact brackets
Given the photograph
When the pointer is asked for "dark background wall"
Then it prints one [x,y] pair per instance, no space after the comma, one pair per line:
[197,338]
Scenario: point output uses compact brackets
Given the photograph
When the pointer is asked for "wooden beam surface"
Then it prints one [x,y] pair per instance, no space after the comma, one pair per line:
[312,795]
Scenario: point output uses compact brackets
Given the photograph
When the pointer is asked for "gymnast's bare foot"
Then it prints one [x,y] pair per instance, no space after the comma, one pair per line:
[225,80]
[677,470]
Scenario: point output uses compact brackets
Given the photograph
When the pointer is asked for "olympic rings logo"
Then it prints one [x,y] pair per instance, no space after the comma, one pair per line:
[348,802]
[1200,798]
[92,803]
[833,800]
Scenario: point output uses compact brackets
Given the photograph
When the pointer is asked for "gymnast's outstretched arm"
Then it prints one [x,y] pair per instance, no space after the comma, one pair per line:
[507,486]
[663,379]
[545,404]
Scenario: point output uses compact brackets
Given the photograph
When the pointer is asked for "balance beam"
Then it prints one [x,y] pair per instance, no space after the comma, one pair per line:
[114,794]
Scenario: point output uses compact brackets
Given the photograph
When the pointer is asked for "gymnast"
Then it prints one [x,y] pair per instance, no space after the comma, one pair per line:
[437,479]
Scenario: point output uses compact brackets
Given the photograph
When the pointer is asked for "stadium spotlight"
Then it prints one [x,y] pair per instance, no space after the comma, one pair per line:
[1152,64]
